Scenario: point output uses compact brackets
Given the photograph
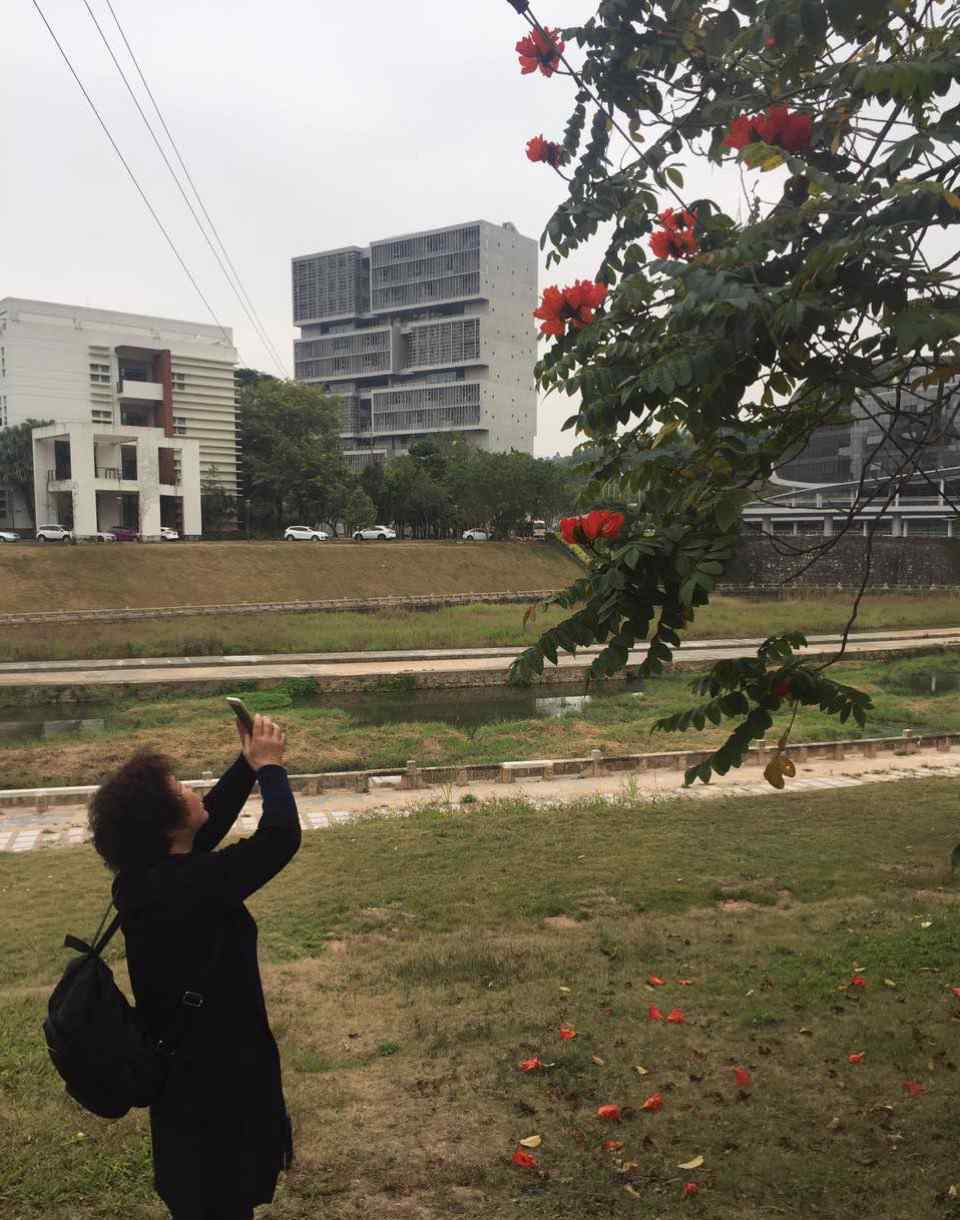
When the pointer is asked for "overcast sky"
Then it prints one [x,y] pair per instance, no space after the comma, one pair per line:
[307,125]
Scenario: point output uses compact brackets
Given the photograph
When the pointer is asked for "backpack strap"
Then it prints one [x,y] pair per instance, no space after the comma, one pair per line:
[190,1002]
[97,943]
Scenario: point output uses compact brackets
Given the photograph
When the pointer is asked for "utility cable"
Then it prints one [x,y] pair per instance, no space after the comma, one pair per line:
[126,166]
[262,331]
[173,174]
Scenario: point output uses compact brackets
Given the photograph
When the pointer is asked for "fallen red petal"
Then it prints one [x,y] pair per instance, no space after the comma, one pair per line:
[654,1013]
[612,1145]
[566,1033]
[685,982]
[654,981]
[653,1102]
[858,981]
[913,1089]
[611,1112]
[691,1188]
[956,991]
[856,1057]
[530,1065]
[523,1158]
[742,1077]
[676,1016]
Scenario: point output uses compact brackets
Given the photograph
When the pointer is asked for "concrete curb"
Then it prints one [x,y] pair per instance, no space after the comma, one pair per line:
[414,777]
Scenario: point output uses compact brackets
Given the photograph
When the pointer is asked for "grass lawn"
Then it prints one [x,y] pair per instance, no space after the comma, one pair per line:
[411,964]
[478,626]
[192,729]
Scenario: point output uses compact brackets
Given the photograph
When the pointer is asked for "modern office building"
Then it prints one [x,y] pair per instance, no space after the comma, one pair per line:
[137,410]
[429,333]
[858,469]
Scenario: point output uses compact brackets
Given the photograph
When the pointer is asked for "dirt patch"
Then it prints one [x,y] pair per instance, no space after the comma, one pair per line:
[564,922]
[943,897]
[337,947]
[735,905]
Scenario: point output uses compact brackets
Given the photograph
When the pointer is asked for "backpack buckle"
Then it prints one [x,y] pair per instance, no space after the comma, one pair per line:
[193,999]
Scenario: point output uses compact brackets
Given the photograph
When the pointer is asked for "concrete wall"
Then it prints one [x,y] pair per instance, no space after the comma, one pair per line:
[896,561]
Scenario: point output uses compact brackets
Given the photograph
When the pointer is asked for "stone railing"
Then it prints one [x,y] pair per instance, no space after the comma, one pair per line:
[413,777]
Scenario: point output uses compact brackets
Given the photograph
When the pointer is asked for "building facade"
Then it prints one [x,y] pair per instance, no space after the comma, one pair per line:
[429,333]
[137,411]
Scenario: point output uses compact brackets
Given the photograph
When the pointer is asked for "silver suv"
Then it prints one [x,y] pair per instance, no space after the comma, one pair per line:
[54,533]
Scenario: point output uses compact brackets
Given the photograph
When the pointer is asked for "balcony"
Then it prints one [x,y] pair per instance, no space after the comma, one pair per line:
[126,473]
[144,391]
[60,475]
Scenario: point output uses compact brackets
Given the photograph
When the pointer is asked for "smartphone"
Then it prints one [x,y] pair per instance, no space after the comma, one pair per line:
[242,713]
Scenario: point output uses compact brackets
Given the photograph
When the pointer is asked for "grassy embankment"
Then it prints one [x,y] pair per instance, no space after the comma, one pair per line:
[478,626]
[196,731]
[411,964]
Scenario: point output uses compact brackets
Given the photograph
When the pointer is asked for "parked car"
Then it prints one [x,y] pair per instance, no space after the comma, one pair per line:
[123,533]
[539,529]
[168,535]
[105,536]
[54,533]
[303,533]
[378,533]
[475,535]
[9,536]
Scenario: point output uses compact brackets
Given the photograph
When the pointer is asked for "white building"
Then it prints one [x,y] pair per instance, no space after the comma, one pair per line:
[142,409]
[428,333]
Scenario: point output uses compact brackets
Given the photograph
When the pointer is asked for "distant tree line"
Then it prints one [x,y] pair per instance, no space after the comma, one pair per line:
[293,472]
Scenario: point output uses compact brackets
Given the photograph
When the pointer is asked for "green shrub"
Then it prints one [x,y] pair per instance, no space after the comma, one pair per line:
[934,674]
[299,688]
[267,700]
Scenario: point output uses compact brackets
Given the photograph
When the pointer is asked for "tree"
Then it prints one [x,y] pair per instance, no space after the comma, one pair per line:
[358,511]
[16,461]
[745,333]
[217,506]
[292,457]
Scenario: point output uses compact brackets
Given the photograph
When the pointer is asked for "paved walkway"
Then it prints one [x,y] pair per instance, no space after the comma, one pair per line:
[66,826]
[442,661]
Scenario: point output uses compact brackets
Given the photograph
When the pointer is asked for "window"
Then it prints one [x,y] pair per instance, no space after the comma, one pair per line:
[101,415]
[99,374]
[179,381]
[3,362]
[4,509]
[179,426]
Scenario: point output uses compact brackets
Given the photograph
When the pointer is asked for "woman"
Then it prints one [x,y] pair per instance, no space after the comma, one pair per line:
[220,1129]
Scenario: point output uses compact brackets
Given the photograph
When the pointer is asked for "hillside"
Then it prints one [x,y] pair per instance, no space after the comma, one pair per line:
[124,575]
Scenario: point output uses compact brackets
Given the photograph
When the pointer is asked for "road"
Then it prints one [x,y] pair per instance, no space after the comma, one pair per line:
[439,661]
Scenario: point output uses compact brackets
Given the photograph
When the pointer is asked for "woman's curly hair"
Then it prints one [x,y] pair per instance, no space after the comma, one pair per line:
[134,813]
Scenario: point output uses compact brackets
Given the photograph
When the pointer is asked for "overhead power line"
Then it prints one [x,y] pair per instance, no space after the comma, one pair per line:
[262,330]
[133,178]
[246,305]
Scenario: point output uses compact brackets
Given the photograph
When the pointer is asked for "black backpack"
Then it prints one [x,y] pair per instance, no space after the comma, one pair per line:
[95,1038]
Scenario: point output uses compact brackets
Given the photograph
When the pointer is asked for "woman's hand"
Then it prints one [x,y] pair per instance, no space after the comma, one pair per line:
[266,745]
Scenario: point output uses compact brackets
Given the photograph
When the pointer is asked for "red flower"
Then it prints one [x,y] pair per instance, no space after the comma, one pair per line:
[653,1103]
[566,1033]
[777,127]
[690,1188]
[540,49]
[913,1089]
[956,991]
[742,1077]
[539,149]
[676,1017]
[574,304]
[612,1145]
[856,1057]
[654,981]
[530,1065]
[770,42]
[601,523]
[610,1112]
[523,1158]
[654,1013]
[857,981]
[677,238]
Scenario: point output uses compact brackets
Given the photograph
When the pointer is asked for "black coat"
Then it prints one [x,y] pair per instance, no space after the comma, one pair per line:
[220,1130]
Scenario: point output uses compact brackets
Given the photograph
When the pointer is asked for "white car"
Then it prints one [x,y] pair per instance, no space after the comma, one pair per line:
[105,536]
[9,536]
[378,533]
[54,533]
[475,535]
[168,535]
[303,533]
